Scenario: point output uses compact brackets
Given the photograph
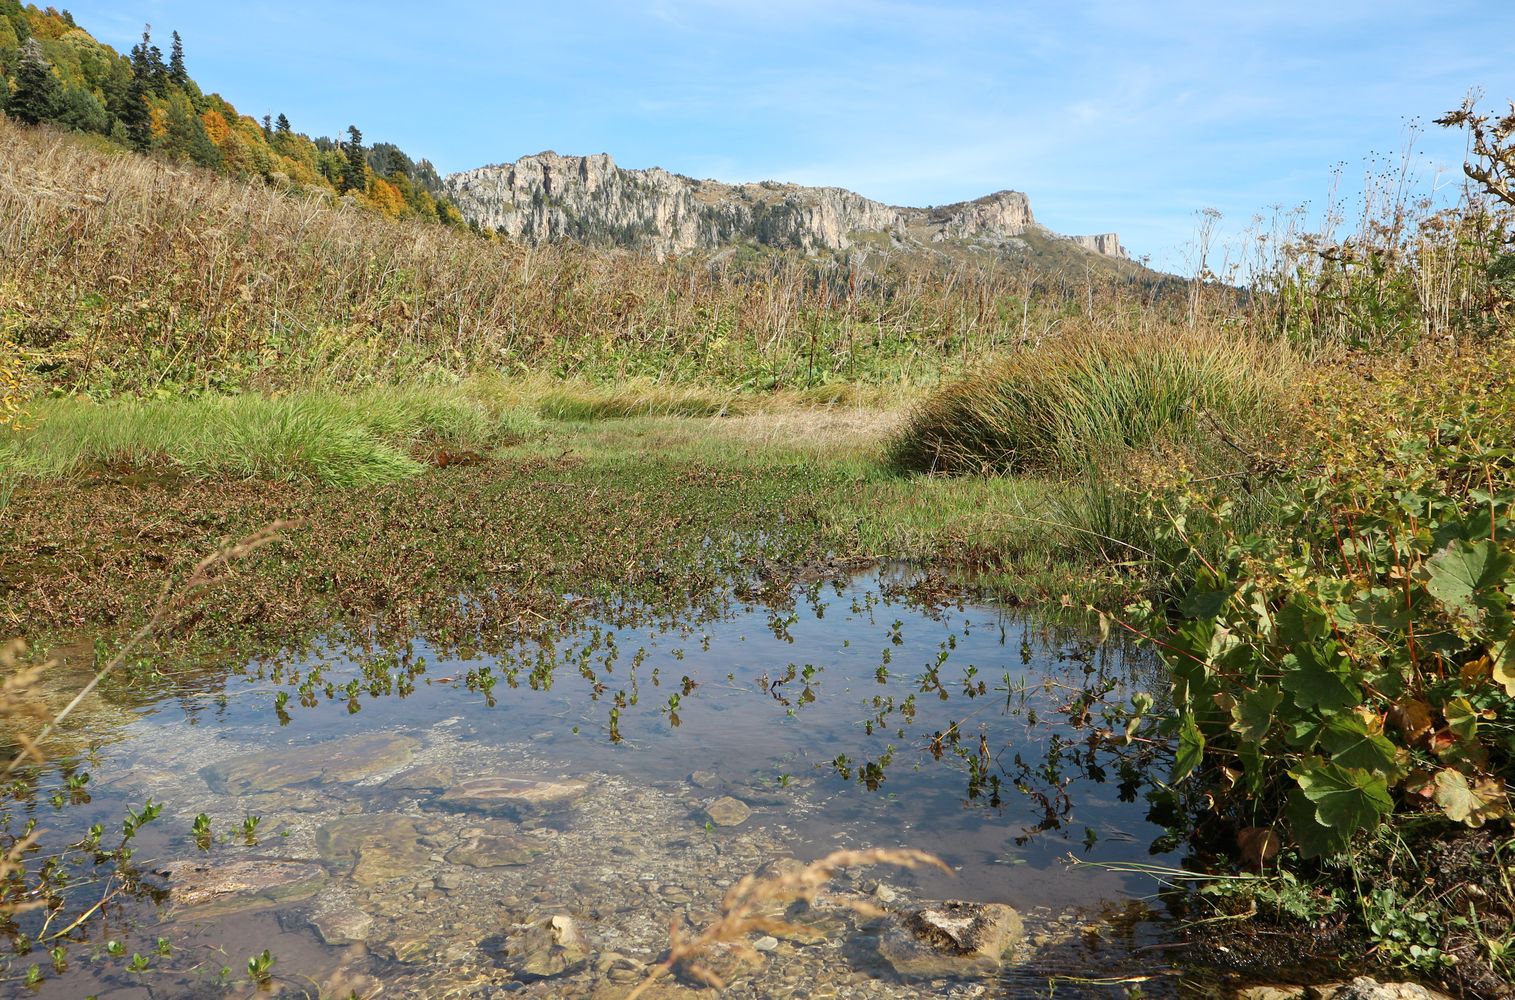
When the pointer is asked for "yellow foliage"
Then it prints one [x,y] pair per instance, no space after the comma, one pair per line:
[216,127]
[47,25]
[386,197]
[12,385]
[158,117]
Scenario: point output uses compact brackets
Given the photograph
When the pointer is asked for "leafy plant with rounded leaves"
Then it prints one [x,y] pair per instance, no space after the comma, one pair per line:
[1359,664]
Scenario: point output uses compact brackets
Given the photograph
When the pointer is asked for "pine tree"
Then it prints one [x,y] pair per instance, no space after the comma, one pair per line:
[268,127]
[282,124]
[176,70]
[38,91]
[354,178]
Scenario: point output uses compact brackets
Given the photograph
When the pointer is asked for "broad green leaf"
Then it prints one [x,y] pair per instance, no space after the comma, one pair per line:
[1315,839]
[1462,718]
[1457,574]
[1472,805]
[1203,603]
[1346,799]
[1253,714]
[1311,675]
[1191,748]
[1352,744]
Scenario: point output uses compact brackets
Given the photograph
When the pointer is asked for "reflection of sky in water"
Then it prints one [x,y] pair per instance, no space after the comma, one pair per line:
[844,685]
[832,716]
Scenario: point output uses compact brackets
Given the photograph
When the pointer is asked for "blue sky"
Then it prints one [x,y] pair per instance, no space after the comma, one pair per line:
[1111,114]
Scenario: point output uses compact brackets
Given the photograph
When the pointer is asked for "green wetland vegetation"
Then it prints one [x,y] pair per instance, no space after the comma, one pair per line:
[1177,617]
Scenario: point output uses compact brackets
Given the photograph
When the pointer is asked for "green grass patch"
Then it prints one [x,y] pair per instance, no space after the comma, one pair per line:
[343,440]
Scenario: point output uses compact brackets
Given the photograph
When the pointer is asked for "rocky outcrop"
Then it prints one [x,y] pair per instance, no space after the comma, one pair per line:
[548,197]
[1103,243]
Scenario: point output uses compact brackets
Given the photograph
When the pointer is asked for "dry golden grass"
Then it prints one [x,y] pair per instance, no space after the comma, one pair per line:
[125,274]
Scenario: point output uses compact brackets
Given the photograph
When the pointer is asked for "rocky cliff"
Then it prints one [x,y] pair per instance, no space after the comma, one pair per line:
[588,198]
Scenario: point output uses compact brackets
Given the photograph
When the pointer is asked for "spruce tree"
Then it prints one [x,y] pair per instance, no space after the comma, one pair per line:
[135,114]
[354,177]
[176,70]
[38,91]
[282,124]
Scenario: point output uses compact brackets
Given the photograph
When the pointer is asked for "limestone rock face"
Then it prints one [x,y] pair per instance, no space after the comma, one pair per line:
[548,197]
[1103,243]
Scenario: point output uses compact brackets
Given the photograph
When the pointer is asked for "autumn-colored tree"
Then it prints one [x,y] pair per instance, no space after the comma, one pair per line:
[215,127]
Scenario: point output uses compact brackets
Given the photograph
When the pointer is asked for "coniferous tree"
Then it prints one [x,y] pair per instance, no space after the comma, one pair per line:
[281,123]
[81,111]
[354,177]
[135,114]
[176,71]
[268,127]
[38,91]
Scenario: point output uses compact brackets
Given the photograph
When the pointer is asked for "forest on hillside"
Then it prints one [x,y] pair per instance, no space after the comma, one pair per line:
[55,71]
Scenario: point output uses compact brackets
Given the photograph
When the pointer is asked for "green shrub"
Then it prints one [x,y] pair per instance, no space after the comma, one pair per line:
[1074,405]
[1358,665]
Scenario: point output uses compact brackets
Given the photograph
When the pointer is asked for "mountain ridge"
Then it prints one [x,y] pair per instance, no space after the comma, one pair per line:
[547,196]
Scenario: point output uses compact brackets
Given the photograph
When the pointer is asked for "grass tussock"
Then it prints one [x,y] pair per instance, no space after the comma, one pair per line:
[1074,404]
[344,440]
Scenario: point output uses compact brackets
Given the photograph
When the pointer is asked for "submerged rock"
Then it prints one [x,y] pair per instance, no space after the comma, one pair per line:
[493,845]
[546,948]
[339,925]
[334,761]
[427,777]
[727,811]
[951,939]
[219,889]
[1364,988]
[378,846]
[517,798]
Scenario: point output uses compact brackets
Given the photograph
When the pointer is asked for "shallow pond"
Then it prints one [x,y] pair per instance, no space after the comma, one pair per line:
[405,821]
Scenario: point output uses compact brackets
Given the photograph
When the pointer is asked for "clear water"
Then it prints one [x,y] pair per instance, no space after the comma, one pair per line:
[851,713]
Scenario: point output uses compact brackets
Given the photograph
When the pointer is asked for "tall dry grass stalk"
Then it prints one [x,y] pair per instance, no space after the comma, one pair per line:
[121,274]
[744,909]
